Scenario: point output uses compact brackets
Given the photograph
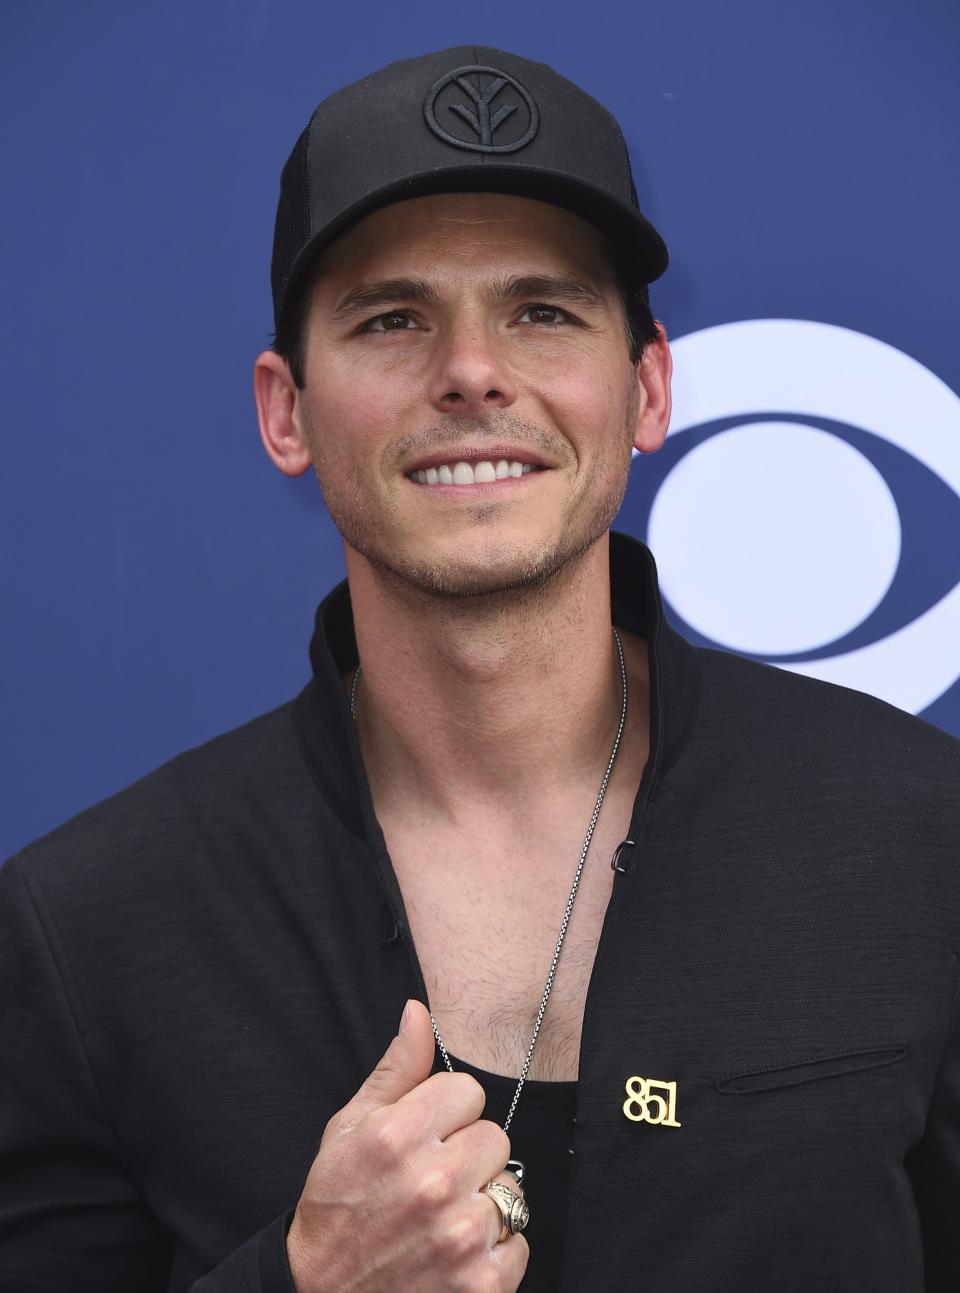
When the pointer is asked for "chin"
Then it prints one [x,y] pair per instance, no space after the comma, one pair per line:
[487,571]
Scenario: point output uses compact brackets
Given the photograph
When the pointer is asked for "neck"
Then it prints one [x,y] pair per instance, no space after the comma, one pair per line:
[472,704]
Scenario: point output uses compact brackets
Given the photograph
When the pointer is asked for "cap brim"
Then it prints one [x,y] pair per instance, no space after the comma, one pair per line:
[642,251]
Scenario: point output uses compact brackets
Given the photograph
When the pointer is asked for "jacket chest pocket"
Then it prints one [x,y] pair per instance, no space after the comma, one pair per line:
[829,1105]
[815,1068]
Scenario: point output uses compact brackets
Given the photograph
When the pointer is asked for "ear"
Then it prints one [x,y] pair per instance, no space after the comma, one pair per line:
[655,400]
[278,410]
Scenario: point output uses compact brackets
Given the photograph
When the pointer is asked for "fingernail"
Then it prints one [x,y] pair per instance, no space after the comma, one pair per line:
[405,1017]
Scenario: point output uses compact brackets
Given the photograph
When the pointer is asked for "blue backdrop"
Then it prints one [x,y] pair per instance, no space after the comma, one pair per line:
[159,577]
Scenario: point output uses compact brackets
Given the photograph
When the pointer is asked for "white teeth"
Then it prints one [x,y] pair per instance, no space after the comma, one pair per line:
[462,473]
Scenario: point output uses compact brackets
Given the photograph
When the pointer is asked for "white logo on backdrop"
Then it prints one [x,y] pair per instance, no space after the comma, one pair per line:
[777,538]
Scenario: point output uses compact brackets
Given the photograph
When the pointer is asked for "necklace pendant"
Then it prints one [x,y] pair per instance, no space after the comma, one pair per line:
[517,1169]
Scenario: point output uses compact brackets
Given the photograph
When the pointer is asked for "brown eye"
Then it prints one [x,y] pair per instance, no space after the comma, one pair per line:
[395,321]
[548,315]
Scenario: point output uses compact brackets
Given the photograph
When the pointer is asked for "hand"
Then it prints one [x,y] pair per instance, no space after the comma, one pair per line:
[392,1200]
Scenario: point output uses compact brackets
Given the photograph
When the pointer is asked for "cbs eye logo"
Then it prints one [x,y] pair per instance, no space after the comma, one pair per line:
[805,509]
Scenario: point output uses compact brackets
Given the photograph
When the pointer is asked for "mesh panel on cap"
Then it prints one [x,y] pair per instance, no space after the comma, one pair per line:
[293,216]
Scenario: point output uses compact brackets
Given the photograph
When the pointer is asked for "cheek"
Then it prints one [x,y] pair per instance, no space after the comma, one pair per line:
[593,410]
[350,421]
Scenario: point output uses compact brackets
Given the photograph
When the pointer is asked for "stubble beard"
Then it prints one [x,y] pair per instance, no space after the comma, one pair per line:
[506,571]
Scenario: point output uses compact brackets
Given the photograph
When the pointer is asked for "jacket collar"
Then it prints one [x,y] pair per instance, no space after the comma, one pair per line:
[326,730]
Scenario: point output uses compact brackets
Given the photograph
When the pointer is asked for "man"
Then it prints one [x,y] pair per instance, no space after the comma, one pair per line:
[681,927]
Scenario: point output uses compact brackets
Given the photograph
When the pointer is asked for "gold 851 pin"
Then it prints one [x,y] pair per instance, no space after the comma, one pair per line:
[644,1104]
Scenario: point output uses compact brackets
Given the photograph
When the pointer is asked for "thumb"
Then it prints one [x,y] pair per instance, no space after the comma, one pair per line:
[407,1062]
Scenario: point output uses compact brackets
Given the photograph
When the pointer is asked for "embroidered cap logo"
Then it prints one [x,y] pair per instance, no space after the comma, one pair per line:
[480,121]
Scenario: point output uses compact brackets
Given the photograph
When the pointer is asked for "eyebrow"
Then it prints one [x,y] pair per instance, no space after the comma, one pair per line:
[518,287]
[386,292]
[535,287]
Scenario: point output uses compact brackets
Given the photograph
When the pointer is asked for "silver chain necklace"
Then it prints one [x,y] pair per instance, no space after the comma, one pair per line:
[514,1164]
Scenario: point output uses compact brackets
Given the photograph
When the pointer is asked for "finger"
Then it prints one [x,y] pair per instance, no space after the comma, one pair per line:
[406,1064]
[441,1105]
[494,1220]
[480,1153]
[512,1257]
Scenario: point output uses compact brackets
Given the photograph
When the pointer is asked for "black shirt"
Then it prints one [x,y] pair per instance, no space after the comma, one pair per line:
[541,1136]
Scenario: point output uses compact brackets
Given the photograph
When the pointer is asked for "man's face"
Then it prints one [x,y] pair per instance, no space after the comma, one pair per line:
[452,339]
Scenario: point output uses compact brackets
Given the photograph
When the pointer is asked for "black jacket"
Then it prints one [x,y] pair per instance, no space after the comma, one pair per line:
[196,973]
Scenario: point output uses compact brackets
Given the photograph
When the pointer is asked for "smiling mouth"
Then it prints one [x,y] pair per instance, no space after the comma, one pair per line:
[485,472]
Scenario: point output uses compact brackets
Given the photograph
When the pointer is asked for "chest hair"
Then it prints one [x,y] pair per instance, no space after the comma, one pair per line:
[485,926]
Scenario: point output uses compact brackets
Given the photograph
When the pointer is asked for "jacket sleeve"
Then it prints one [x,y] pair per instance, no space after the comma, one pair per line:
[934,1167]
[71,1215]
[258,1266]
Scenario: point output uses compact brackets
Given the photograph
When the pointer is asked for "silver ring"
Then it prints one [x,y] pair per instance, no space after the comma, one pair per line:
[513,1208]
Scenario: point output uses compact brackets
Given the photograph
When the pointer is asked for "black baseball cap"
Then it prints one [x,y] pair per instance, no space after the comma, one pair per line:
[468,119]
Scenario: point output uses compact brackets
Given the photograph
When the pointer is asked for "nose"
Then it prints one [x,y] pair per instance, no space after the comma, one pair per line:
[471,375]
